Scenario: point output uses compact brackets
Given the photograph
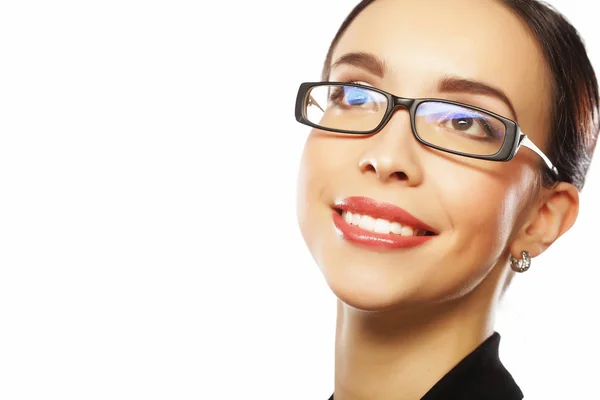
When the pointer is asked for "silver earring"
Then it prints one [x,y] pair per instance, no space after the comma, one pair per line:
[521,265]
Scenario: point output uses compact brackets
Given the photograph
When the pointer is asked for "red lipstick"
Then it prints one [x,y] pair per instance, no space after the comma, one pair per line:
[375,209]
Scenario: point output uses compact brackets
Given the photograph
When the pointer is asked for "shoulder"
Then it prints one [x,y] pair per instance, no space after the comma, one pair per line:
[480,375]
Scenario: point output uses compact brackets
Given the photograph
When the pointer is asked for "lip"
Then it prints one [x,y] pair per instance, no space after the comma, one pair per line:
[375,209]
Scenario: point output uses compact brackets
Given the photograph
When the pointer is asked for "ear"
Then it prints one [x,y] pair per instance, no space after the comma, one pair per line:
[549,219]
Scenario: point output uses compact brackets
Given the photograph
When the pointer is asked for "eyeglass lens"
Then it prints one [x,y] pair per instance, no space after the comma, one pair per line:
[449,126]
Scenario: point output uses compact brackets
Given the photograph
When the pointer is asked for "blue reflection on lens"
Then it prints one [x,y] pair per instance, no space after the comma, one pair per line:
[461,118]
[355,96]
[433,109]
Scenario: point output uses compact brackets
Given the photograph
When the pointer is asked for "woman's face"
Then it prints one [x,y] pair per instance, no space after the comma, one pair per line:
[475,207]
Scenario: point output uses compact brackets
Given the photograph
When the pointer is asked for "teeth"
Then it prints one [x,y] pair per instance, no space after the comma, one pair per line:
[380,225]
[407,231]
[348,217]
[367,223]
[396,228]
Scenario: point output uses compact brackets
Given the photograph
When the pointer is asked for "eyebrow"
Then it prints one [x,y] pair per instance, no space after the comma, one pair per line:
[366,61]
[448,84]
[454,84]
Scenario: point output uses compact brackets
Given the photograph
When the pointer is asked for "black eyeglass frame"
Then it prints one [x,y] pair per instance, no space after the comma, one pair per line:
[513,138]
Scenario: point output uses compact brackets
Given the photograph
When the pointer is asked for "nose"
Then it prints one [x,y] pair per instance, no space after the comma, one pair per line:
[392,154]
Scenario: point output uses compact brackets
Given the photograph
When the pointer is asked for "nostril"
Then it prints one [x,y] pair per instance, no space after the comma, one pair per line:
[370,168]
[400,175]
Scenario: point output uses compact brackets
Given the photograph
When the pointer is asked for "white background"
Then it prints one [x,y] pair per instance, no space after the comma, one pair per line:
[148,240]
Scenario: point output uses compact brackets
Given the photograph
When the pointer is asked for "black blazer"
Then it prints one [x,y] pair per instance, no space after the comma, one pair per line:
[479,376]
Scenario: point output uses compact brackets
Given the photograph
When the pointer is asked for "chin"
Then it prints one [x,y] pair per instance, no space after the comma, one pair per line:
[369,294]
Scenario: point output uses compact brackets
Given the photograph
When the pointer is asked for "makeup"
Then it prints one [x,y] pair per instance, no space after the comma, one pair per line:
[367,222]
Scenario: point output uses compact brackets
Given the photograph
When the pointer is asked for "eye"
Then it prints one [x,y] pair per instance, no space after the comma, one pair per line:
[464,121]
[469,123]
[355,98]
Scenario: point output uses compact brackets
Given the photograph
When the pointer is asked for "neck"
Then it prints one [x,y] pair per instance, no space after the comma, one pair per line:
[401,354]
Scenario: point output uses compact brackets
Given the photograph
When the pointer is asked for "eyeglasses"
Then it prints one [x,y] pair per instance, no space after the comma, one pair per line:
[444,125]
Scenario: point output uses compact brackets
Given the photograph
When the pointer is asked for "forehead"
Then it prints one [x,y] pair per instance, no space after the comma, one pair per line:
[423,40]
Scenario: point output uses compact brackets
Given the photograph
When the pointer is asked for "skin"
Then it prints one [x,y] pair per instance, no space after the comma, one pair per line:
[406,317]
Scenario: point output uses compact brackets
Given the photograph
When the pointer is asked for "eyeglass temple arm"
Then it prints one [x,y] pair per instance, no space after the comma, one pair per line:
[312,100]
[528,143]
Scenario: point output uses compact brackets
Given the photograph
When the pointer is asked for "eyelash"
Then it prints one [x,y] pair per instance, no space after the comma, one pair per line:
[355,81]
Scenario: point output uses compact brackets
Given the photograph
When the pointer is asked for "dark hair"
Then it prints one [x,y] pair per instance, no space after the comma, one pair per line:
[574,109]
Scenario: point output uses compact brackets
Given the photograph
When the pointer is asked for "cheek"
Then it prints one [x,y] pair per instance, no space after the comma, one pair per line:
[482,209]
[305,190]
[316,166]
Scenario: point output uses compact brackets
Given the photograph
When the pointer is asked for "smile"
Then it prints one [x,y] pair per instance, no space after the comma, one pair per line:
[379,225]
[373,224]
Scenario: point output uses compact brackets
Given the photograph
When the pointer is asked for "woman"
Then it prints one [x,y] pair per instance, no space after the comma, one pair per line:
[450,141]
